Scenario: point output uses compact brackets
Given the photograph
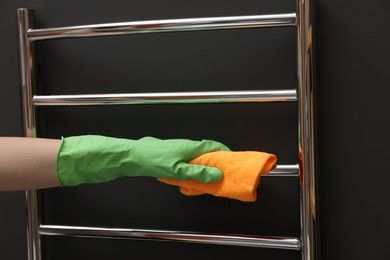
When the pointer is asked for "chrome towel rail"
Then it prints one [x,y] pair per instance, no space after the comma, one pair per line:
[290,243]
[171,25]
[301,20]
[166,98]
[284,170]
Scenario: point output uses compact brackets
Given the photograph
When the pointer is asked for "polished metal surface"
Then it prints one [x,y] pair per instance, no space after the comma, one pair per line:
[27,73]
[309,230]
[167,98]
[286,170]
[27,80]
[157,26]
[290,243]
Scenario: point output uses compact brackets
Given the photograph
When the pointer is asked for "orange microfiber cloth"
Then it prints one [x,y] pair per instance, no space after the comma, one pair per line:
[241,174]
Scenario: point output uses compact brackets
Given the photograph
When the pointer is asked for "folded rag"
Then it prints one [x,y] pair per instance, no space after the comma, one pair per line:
[241,174]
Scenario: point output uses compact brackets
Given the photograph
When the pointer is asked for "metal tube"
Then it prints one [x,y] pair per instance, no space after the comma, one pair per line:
[166,235]
[305,13]
[25,19]
[157,26]
[286,170]
[27,73]
[166,98]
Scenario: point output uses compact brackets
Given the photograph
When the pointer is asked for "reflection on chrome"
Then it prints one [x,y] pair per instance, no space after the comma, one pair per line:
[167,98]
[169,25]
[180,236]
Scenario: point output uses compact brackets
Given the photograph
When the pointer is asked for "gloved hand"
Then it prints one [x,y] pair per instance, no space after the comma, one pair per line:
[95,159]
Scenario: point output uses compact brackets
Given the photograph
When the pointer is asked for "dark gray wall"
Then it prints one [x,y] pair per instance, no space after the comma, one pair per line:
[353,40]
[352,61]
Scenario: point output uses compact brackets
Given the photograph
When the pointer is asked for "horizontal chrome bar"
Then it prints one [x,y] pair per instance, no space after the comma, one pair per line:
[179,236]
[166,98]
[286,170]
[169,25]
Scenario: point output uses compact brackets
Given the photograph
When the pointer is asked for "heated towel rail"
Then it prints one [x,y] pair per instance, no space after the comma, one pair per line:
[305,170]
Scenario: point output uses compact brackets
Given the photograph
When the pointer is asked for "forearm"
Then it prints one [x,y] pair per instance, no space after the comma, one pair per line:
[28,163]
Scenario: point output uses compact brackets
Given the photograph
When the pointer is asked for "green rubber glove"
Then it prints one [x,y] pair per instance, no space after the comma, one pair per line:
[95,159]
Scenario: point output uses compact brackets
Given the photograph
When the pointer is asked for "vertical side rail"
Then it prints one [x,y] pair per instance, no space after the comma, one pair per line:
[306,129]
[25,19]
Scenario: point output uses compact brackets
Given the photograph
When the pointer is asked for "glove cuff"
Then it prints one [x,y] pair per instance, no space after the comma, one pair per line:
[57,162]
[90,159]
